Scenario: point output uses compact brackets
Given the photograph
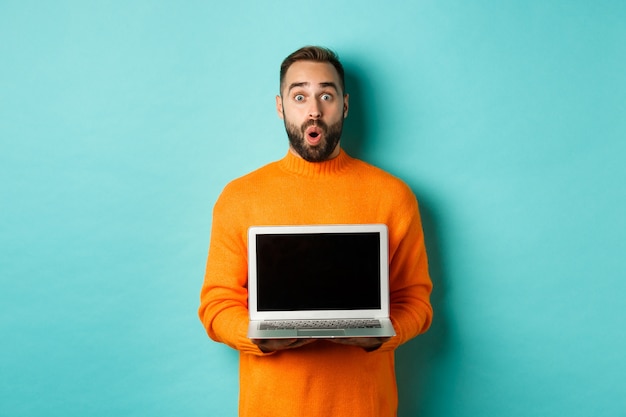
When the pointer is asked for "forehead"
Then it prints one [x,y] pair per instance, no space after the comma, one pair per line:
[312,73]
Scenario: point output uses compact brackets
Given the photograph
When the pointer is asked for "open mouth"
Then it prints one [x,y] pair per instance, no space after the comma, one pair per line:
[313,135]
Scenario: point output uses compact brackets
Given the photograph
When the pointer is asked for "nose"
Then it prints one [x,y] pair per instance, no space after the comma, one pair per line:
[315,111]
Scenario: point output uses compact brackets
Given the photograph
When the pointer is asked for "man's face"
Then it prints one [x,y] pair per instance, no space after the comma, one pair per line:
[313,107]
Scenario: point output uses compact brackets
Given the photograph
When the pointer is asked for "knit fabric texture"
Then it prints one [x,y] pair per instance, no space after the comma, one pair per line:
[322,378]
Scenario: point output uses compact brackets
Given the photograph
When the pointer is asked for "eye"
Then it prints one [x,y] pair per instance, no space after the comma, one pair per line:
[327,97]
[298,97]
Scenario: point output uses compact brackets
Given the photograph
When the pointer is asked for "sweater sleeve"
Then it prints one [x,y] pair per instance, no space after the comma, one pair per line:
[224,296]
[409,281]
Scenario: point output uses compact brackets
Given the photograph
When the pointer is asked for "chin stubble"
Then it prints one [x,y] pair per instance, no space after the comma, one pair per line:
[317,153]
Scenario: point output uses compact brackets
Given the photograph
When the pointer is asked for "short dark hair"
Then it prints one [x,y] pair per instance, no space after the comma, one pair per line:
[316,54]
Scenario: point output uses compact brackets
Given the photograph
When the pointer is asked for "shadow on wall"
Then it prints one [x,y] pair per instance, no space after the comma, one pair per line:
[417,360]
[356,127]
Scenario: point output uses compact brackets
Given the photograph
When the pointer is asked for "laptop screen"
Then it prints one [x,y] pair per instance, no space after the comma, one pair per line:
[318,271]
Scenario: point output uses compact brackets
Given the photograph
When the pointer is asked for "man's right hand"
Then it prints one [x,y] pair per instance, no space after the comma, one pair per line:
[274,345]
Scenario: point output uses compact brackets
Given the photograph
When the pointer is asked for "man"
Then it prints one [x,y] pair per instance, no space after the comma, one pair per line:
[315,183]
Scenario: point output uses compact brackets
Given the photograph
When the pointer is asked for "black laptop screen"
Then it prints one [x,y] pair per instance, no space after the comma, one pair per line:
[322,271]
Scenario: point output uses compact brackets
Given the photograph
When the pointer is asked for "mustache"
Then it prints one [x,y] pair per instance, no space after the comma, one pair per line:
[313,122]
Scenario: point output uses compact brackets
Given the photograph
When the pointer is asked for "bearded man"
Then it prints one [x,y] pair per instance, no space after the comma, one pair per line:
[316,182]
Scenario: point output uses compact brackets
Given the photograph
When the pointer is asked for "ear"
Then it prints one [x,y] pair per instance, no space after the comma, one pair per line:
[279,106]
[346,98]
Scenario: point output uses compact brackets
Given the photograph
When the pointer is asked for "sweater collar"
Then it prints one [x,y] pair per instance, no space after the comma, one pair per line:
[299,166]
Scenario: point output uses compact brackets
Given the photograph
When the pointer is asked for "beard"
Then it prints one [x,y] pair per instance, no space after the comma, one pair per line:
[323,150]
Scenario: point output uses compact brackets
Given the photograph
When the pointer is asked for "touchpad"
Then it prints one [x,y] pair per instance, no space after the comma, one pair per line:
[321,333]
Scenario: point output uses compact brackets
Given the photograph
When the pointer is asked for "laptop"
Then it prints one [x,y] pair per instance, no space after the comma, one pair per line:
[318,281]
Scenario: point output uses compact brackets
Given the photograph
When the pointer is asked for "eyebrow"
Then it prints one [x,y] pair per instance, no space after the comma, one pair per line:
[307,84]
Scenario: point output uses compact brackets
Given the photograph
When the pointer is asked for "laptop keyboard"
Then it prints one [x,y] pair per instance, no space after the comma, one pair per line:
[321,324]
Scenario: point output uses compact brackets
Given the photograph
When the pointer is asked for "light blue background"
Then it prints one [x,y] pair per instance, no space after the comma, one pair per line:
[121,121]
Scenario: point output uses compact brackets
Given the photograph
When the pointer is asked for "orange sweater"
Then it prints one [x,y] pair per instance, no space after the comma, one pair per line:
[322,378]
